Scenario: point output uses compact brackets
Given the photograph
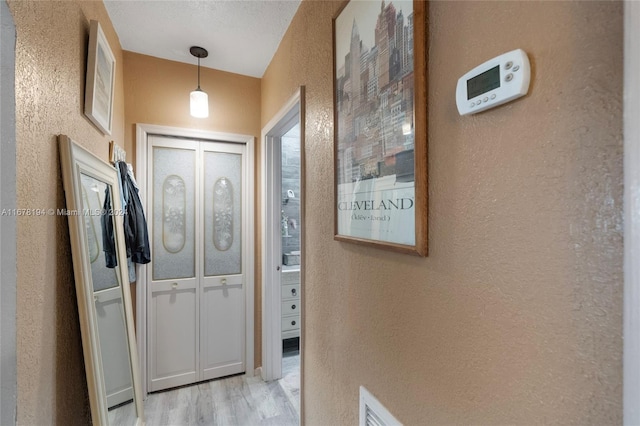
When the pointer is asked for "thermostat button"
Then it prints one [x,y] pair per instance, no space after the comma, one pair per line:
[493,96]
[508,77]
[485,99]
[472,104]
[508,65]
[516,68]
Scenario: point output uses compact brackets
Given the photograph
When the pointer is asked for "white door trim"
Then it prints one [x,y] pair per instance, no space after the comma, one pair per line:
[142,133]
[271,242]
[631,90]
[271,262]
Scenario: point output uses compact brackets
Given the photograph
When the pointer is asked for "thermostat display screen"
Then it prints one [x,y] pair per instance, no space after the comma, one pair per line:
[484,82]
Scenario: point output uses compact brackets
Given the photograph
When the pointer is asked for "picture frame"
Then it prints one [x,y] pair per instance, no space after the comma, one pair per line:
[380,125]
[100,81]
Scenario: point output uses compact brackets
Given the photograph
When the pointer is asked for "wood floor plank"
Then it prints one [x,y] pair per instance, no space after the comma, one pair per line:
[204,405]
[241,407]
[221,403]
[260,393]
[285,408]
[290,381]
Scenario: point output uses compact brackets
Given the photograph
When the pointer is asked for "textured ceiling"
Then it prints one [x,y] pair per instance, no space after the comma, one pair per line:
[241,36]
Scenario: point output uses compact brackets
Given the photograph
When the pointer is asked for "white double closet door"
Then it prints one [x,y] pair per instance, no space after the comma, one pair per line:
[195,296]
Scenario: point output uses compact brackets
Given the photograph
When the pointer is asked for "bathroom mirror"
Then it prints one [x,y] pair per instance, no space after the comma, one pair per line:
[104,301]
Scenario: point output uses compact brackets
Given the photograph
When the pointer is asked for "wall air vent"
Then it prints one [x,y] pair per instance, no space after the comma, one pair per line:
[372,413]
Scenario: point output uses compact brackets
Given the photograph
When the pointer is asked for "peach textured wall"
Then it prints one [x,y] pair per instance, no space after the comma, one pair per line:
[515,316]
[157,92]
[51,55]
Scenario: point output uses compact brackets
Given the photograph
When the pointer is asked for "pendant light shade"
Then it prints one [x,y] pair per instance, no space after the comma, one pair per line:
[199,101]
[199,104]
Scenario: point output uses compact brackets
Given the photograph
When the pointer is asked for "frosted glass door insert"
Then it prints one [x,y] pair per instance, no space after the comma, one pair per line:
[222,213]
[174,186]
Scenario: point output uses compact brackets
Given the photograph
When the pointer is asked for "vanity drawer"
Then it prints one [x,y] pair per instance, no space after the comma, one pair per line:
[290,277]
[290,307]
[291,323]
[290,291]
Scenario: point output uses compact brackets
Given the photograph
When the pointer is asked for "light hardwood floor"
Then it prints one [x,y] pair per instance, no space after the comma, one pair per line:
[232,401]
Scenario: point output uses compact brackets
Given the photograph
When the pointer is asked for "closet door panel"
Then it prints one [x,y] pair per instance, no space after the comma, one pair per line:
[174,359]
[223,331]
[173,313]
[222,309]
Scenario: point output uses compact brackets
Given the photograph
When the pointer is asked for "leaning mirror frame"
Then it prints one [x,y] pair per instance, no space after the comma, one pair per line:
[76,161]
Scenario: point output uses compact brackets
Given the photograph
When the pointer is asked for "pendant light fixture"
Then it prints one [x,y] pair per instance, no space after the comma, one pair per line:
[199,99]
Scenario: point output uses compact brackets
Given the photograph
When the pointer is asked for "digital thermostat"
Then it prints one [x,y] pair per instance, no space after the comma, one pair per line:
[497,81]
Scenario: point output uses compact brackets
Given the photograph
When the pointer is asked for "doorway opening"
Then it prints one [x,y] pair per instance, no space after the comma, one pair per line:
[206,308]
[283,244]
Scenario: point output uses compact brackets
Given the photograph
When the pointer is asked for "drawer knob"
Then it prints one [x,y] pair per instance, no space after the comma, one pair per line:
[293,306]
[174,285]
[293,291]
[293,323]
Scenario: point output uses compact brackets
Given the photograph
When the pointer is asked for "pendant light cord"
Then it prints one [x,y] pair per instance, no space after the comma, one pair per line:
[199,53]
[199,74]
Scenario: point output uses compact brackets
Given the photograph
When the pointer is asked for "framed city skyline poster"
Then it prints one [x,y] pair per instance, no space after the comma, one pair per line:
[380,124]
